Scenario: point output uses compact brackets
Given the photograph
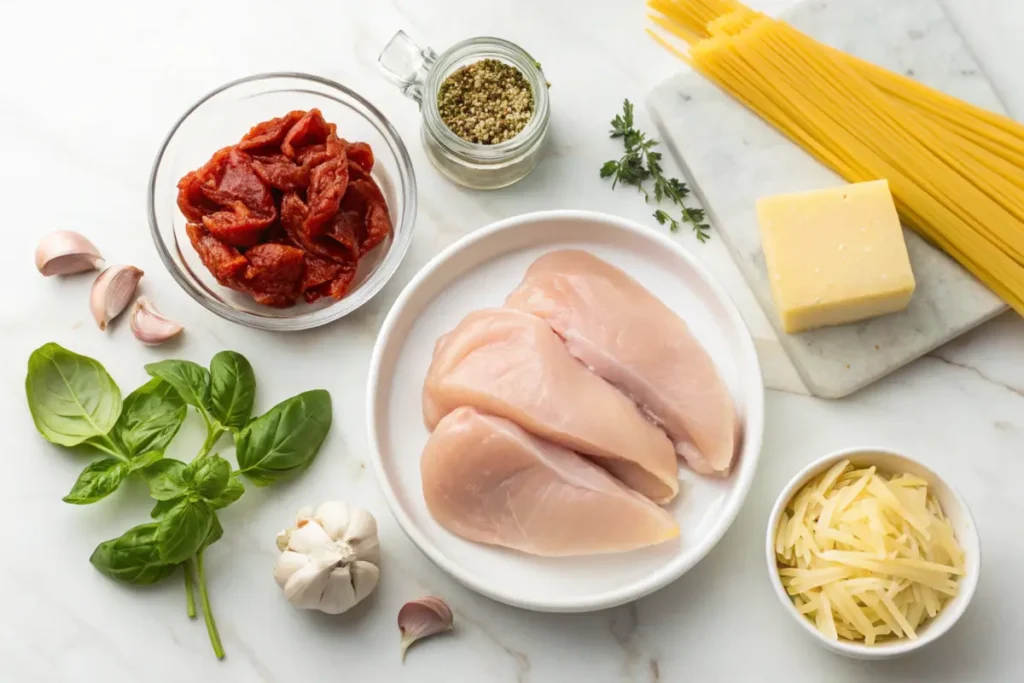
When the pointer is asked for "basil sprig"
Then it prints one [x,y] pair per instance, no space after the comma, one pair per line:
[75,403]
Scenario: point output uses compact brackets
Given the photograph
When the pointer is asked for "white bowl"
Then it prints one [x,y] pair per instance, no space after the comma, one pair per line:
[479,271]
[956,511]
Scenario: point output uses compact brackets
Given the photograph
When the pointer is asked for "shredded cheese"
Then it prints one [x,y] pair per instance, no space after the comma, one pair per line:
[865,556]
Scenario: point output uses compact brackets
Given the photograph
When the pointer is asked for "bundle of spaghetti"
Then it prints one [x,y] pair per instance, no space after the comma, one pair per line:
[693,20]
[961,194]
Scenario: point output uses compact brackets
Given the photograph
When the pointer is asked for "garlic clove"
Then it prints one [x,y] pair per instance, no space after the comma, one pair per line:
[287,564]
[355,526]
[112,291]
[305,588]
[283,537]
[65,252]
[149,325]
[309,538]
[423,618]
[365,577]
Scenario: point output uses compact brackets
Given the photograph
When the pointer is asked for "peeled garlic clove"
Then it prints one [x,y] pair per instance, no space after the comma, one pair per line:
[65,252]
[149,325]
[112,291]
[423,618]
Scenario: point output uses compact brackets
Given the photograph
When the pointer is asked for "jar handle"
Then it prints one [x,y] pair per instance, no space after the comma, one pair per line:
[407,64]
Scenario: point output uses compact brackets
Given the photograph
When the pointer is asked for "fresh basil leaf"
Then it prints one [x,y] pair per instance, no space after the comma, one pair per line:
[165,479]
[207,476]
[133,557]
[182,531]
[216,531]
[97,481]
[71,397]
[150,418]
[285,439]
[162,507]
[232,389]
[141,462]
[190,380]
[232,492]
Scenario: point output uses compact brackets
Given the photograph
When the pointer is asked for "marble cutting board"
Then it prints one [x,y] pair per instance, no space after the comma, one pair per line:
[731,157]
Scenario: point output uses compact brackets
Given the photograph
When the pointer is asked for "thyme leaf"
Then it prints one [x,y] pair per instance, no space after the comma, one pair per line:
[641,163]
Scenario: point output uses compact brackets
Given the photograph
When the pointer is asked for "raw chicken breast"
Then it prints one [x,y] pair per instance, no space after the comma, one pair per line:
[512,365]
[488,480]
[627,336]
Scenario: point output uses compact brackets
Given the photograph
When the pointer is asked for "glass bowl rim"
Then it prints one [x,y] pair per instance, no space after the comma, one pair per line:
[369,288]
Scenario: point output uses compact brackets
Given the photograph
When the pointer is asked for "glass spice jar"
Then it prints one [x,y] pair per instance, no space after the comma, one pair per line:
[419,72]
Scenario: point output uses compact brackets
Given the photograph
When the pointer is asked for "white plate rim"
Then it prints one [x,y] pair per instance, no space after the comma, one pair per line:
[752,435]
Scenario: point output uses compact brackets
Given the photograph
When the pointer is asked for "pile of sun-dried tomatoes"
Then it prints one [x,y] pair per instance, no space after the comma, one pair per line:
[287,212]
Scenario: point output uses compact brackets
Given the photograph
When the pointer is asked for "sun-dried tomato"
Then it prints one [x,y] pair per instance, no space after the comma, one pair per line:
[327,185]
[270,133]
[348,228]
[223,261]
[287,212]
[318,271]
[311,129]
[361,155]
[280,172]
[337,288]
[294,213]
[229,198]
[364,196]
[312,155]
[274,273]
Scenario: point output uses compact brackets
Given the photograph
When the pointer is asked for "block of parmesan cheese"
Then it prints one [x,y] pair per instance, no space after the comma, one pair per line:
[835,256]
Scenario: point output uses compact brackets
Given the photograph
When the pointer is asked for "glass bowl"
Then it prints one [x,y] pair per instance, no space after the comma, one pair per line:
[221,118]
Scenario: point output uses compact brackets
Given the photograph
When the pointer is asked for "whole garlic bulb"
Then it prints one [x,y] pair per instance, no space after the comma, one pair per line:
[329,560]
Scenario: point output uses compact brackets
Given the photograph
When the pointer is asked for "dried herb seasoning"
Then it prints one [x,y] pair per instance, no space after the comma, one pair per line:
[486,102]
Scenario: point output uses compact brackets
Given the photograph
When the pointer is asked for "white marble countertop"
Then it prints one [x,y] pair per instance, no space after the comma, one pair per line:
[90,89]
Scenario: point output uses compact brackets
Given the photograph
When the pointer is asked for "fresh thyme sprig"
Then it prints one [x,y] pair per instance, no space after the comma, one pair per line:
[641,163]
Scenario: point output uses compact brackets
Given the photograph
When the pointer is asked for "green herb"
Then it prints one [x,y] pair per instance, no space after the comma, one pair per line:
[133,557]
[285,439]
[486,102]
[150,418]
[231,492]
[97,481]
[207,477]
[232,389]
[694,217]
[161,508]
[183,530]
[165,479]
[72,398]
[192,382]
[75,402]
[641,163]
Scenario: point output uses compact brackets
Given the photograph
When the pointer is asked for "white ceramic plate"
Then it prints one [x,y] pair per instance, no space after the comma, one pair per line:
[478,272]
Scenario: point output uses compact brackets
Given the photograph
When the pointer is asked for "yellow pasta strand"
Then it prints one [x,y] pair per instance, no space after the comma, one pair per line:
[956,171]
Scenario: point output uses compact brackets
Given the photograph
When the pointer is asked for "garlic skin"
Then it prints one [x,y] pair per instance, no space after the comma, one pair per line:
[149,325]
[65,252]
[330,559]
[112,291]
[423,618]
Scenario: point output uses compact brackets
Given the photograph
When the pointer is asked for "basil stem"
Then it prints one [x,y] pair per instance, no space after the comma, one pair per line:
[104,443]
[190,596]
[213,432]
[211,624]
